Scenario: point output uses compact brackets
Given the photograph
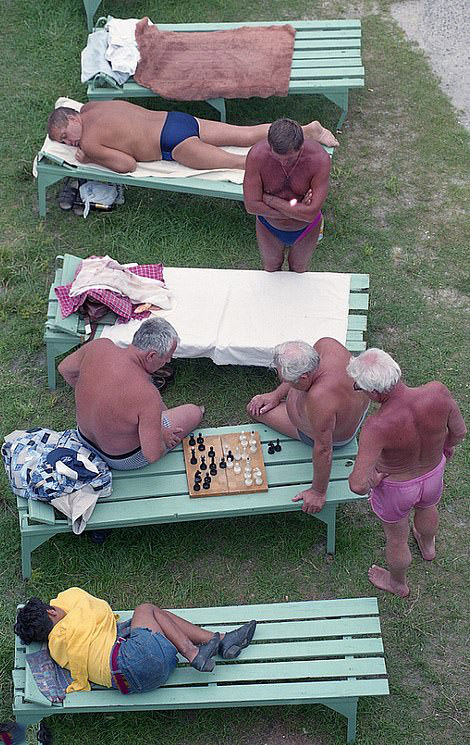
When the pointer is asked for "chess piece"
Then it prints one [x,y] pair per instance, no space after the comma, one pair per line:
[253,440]
[223,463]
[253,447]
[201,447]
[211,452]
[196,486]
[197,477]
[213,471]
[203,465]
[244,454]
[192,441]
[271,449]
[278,446]
[236,468]
[229,463]
[193,460]
[206,485]
[242,435]
[237,454]
[248,481]
[230,455]
[258,480]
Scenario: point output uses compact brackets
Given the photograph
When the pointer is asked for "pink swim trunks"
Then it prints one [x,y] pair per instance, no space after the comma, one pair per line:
[392,500]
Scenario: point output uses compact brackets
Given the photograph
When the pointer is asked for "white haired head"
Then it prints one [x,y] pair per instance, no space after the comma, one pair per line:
[374,370]
[295,358]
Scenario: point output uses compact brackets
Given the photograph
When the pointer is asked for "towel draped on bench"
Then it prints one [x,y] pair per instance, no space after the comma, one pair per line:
[193,66]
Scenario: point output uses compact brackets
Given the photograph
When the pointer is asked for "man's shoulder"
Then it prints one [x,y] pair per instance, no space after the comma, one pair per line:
[259,150]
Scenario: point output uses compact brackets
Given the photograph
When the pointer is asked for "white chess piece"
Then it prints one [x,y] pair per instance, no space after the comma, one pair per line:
[230,463]
[258,480]
[236,468]
[237,455]
[248,482]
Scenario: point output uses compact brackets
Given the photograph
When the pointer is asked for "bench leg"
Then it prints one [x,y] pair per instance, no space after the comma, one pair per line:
[45,180]
[341,100]
[348,708]
[28,544]
[90,10]
[328,516]
[219,105]
[51,377]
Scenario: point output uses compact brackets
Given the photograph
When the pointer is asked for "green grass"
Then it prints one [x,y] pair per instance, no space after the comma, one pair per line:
[396,210]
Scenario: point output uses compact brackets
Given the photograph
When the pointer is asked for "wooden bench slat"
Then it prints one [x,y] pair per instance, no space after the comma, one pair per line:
[351,64]
[353,53]
[318,74]
[311,649]
[242,671]
[343,24]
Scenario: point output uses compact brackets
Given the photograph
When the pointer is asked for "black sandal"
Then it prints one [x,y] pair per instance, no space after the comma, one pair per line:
[68,194]
[236,640]
[203,660]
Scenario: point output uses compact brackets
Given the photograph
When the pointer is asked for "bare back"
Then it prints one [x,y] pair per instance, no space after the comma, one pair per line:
[331,397]
[311,172]
[122,126]
[111,393]
[411,428]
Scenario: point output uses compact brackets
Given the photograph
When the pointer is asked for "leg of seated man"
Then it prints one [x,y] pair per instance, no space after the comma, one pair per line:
[301,251]
[185,417]
[279,419]
[270,248]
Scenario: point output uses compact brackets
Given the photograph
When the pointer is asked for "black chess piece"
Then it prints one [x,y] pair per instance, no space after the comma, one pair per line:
[213,471]
[211,452]
[278,446]
[197,477]
[222,463]
[192,441]
[230,455]
[201,447]
[203,465]
[196,486]
[193,460]
[206,485]
[200,439]
[271,449]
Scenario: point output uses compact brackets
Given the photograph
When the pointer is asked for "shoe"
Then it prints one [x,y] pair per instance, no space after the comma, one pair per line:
[203,660]
[234,641]
[162,377]
[98,536]
[68,194]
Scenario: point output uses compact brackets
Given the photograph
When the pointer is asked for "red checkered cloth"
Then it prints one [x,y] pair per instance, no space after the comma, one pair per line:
[120,304]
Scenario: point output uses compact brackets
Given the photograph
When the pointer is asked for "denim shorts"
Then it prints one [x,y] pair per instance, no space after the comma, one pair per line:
[146,659]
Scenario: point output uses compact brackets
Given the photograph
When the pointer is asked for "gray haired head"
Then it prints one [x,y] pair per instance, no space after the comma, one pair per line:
[374,370]
[156,334]
[285,135]
[295,358]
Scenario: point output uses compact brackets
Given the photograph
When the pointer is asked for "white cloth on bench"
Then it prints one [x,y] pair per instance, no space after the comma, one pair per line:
[155,168]
[236,317]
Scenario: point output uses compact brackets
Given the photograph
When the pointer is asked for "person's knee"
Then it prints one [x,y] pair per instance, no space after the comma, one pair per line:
[196,412]
[147,608]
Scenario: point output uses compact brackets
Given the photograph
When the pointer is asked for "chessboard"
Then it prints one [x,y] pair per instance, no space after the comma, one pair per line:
[231,463]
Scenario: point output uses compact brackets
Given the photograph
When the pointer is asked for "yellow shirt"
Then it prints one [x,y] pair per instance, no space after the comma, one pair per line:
[83,639]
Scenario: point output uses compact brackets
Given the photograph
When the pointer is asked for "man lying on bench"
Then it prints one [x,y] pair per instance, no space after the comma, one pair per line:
[83,636]
[117,134]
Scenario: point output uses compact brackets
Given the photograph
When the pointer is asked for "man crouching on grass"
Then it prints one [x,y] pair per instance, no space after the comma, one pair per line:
[403,450]
[83,636]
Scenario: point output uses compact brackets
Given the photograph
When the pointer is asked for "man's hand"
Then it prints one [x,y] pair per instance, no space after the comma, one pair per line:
[375,478]
[262,403]
[171,436]
[307,200]
[81,156]
[313,500]
[449,452]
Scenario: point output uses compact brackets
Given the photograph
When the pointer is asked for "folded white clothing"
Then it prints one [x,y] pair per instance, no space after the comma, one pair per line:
[104,273]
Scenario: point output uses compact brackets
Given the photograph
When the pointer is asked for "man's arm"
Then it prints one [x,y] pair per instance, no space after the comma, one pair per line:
[108,157]
[253,188]
[364,475]
[322,428]
[150,430]
[319,185]
[264,402]
[69,368]
[456,430]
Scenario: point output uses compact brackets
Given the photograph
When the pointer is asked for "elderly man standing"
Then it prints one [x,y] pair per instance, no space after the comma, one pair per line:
[403,450]
[120,413]
[314,403]
[286,182]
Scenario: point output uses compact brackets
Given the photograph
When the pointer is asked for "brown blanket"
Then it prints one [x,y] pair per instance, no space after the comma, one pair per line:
[193,66]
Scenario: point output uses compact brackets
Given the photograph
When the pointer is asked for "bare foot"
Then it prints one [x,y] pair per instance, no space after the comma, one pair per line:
[382,579]
[428,550]
[316,132]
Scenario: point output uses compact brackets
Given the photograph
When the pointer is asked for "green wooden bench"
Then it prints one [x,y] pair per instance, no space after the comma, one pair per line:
[63,334]
[91,6]
[326,61]
[326,652]
[158,494]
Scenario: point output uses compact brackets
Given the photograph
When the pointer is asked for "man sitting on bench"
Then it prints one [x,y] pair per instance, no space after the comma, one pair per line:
[120,413]
[117,134]
[314,403]
[83,636]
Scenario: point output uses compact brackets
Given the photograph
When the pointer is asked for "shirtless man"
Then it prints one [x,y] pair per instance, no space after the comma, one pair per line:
[315,404]
[117,134]
[286,182]
[120,413]
[403,450]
